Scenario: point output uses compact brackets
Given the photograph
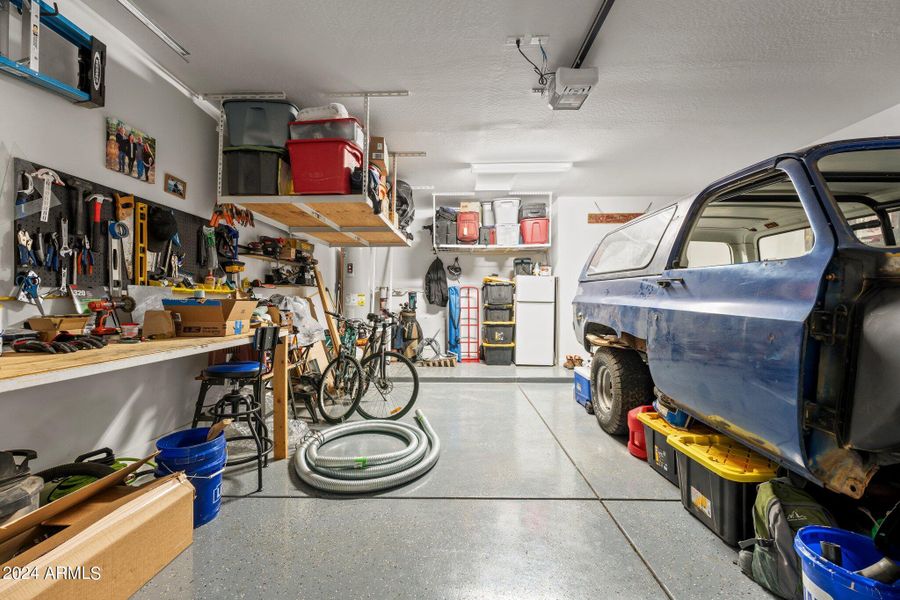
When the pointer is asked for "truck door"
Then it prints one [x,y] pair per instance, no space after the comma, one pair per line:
[727,339]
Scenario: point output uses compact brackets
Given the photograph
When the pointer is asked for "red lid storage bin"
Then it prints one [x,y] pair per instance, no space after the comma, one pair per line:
[323,166]
[535,231]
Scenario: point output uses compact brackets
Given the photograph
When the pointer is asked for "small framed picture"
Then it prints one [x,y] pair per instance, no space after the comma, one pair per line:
[175,186]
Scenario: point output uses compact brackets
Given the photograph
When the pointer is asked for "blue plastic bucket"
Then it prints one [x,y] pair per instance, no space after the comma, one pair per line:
[824,580]
[201,461]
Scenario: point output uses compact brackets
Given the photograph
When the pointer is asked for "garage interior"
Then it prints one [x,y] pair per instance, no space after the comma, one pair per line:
[449,300]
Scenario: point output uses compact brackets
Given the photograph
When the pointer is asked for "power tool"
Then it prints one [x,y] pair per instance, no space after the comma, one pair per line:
[106,309]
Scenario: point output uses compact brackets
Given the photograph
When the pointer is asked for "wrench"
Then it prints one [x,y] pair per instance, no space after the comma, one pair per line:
[65,252]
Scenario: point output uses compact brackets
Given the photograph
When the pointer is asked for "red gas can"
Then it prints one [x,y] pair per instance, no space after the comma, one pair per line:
[637,445]
[535,231]
[323,166]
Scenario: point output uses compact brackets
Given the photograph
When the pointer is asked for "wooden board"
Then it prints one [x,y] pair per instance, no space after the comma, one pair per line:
[20,370]
[611,218]
[285,213]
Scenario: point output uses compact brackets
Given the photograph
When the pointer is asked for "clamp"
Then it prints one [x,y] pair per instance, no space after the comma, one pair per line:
[29,282]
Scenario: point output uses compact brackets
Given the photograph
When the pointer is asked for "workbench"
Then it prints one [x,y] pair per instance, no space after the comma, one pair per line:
[24,370]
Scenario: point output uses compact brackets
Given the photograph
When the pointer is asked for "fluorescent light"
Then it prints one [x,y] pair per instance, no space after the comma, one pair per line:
[149,24]
[422,187]
[524,167]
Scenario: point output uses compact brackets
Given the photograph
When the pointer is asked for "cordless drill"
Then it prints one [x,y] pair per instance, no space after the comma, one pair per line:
[106,309]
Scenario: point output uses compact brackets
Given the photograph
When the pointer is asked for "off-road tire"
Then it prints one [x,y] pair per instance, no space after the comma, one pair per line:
[628,386]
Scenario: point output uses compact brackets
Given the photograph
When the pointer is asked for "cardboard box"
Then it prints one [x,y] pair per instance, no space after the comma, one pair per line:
[379,155]
[287,253]
[210,317]
[470,206]
[50,327]
[158,325]
[105,540]
[282,318]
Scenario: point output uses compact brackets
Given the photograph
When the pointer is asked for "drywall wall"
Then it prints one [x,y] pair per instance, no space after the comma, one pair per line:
[573,241]
[127,409]
[886,122]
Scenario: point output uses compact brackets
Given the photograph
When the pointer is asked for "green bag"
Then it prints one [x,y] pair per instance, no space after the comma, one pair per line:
[779,511]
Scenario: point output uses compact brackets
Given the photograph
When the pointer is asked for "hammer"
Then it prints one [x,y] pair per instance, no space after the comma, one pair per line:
[97,230]
[77,191]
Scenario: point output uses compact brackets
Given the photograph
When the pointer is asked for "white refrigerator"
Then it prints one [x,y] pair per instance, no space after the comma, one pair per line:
[535,320]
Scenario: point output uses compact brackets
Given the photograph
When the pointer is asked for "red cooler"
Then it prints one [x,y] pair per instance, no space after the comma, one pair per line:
[323,166]
[637,442]
[535,231]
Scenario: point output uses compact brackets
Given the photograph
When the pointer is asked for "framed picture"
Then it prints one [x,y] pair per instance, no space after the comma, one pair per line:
[130,151]
[175,186]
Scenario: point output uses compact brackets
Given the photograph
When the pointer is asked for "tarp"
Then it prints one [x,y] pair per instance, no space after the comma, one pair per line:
[453,322]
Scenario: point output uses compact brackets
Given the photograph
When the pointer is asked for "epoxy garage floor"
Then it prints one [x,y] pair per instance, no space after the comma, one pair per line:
[530,499]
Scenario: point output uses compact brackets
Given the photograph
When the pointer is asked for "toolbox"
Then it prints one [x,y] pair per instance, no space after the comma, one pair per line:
[718,479]
[498,354]
[499,333]
[323,166]
[252,170]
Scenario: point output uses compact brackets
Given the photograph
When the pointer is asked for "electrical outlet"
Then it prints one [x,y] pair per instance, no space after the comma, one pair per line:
[537,40]
[511,40]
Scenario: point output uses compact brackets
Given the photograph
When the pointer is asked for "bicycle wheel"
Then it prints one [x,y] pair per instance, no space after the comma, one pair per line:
[388,393]
[340,389]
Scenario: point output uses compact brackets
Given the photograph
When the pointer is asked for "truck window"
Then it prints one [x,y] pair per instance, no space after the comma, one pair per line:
[762,221]
[865,186]
[632,246]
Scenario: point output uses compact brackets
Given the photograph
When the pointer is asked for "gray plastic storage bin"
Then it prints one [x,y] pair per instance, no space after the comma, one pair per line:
[498,333]
[252,170]
[498,354]
[258,122]
[497,293]
[533,211]
[485,234]
[503,314]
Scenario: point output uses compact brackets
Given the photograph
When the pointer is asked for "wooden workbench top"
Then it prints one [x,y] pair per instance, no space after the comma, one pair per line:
[23,370]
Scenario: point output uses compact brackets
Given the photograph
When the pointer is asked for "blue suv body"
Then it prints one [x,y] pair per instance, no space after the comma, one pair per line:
[767,306]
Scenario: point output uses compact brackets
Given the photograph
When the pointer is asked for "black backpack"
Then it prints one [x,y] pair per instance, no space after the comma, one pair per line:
[436,283]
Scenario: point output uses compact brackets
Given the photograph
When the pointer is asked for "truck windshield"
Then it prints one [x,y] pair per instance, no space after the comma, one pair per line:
[865,185]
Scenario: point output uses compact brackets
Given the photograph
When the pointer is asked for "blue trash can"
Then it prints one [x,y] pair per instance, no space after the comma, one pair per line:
[201,461]
[824,580]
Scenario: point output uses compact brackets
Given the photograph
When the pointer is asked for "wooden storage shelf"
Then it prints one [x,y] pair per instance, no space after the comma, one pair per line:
[345,220]
[481,249]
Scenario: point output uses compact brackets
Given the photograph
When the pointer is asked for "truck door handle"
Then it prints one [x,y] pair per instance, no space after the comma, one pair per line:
[665,282]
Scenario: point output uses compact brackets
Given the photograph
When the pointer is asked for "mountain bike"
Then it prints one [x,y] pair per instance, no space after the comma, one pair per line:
[390,380]
[341,383]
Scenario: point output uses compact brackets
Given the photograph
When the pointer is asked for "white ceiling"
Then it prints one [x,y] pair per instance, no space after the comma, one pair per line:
[689,90]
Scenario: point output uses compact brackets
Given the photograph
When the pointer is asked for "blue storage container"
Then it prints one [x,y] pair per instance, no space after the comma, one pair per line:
[583,386]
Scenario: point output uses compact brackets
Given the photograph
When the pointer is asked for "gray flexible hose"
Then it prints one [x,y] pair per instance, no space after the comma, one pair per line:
[360,474]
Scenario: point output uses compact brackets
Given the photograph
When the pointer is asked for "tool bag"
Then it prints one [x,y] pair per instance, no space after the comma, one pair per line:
[769,559]
[467,228]
[436,284]
[446,214]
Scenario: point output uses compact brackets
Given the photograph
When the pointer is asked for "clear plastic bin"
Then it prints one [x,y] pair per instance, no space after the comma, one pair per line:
[258,122]
[19,498]
[329,129]
[506,211]
[507,234]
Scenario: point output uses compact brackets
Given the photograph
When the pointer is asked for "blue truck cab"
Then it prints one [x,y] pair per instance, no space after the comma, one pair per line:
[767,306]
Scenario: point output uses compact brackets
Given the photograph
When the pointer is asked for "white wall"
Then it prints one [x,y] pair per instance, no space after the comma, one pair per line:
[573,241]
[126,409]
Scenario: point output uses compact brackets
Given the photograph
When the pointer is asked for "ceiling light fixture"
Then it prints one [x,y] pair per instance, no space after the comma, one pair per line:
[156,29]
[523,167]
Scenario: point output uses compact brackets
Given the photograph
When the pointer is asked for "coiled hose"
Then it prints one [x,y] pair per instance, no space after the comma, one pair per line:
[360,474]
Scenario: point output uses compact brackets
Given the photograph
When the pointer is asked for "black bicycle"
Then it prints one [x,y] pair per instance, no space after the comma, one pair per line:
[341,383]
[390,380]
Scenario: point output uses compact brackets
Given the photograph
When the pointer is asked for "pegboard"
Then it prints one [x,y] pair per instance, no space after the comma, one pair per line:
[188,226]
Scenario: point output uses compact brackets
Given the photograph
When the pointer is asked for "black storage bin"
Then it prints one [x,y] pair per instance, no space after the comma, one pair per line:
[252,170]
[497,293]
[502,314]
[533,211]
[446,214]
[718,479]
[485,234]
[523,266]
[498,354]
[258,122]
[444,232]
[660,454]
[498,333]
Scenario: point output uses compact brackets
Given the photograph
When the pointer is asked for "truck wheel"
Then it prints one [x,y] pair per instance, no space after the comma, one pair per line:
[621,381]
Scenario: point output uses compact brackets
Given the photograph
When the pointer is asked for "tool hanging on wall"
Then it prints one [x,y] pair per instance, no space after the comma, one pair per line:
[140,245]
[125,214]
[49,179]
[29,284]
[118,273]
[35,15]
[207,255]
[232,215]
[26,257]
[65,256]
[97,232]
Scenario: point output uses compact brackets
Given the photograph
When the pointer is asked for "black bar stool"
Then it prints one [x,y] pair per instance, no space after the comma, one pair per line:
[240,406]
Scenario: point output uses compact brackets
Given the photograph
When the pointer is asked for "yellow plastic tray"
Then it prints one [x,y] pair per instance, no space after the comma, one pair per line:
[498,345]
[724,457]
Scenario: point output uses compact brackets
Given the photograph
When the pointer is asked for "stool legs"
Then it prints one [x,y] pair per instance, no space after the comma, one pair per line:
[198,409]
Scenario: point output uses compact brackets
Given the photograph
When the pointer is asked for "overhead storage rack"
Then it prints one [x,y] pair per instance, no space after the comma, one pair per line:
[334,220]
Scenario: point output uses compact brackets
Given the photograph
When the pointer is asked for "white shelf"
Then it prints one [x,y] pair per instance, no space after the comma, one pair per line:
[482,249]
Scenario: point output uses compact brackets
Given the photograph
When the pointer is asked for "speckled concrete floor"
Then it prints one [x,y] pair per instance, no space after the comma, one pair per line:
[530,499]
